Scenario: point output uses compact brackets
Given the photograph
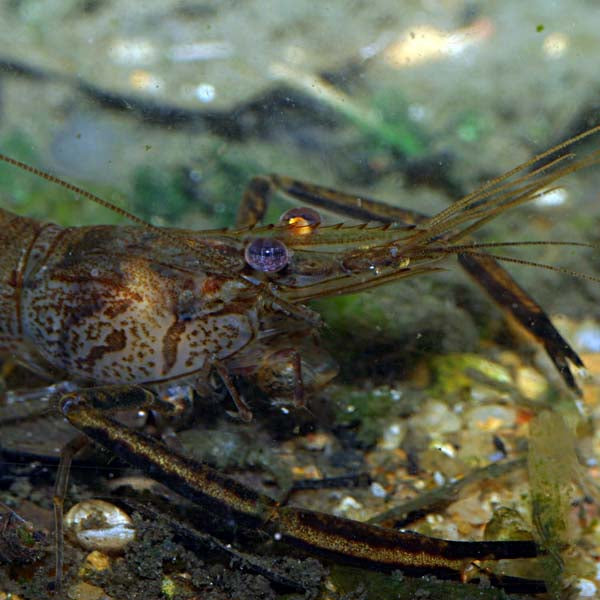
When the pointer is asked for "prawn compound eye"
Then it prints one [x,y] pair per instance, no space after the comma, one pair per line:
[302,220]
[266,254]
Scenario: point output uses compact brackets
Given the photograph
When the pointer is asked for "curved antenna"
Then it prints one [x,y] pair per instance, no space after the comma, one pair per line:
[74,188]
[267,290]
[457,248]
[530,263]
[483,190]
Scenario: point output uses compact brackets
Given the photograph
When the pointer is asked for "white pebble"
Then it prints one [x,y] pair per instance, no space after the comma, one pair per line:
[378,490]
[99,525]
[586,588]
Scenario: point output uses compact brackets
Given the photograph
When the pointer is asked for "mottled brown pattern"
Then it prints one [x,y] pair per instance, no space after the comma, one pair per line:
[118,307]
[170,345]
[212,285]
[115,341]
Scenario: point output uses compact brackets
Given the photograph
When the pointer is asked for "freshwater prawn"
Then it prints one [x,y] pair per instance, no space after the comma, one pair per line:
[123,311]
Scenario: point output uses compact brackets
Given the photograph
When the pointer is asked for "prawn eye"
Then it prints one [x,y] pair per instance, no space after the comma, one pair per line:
[266,254]
[302,220]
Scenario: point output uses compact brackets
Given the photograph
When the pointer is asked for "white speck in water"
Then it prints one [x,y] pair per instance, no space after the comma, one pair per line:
[439,478]
[446,449]
[377,46]
[200,51]
[395,395]
[141,79]
[205,92]
[277,537]
[555,197]
[555,45]
[377,490]
[589,339]
[195,175]
[417,112]
[285,410]
[586,587]
[95,272]
[348,503]
[132,52]
[394,252]
[496,456]
[393,435]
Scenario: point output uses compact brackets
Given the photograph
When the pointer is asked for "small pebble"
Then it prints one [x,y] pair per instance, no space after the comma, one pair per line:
[393,435]
[491,417]
[586,588]
[439,478]
[97,561]
[317,441]
[471,510]
[348,504]
[378,490]
[86,591]
[436,418]
[530,383]
[99,525]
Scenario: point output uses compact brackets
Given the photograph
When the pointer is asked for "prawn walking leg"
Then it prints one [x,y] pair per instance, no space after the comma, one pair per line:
[484,270]
[319,533]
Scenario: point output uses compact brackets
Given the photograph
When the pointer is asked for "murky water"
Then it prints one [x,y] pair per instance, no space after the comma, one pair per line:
[170,108]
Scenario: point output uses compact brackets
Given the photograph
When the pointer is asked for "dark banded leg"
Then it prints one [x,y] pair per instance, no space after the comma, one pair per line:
[60,490]
[108,400]
[339,539]
[485,271]
[244,411]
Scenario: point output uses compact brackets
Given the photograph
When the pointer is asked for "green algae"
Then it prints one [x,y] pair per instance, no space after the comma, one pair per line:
[456,373]
[553,467]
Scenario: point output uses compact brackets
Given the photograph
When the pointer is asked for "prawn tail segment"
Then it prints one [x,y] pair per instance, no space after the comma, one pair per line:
[502,288]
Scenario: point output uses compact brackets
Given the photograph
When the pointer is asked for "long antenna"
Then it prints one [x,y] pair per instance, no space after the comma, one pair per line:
[74,188]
